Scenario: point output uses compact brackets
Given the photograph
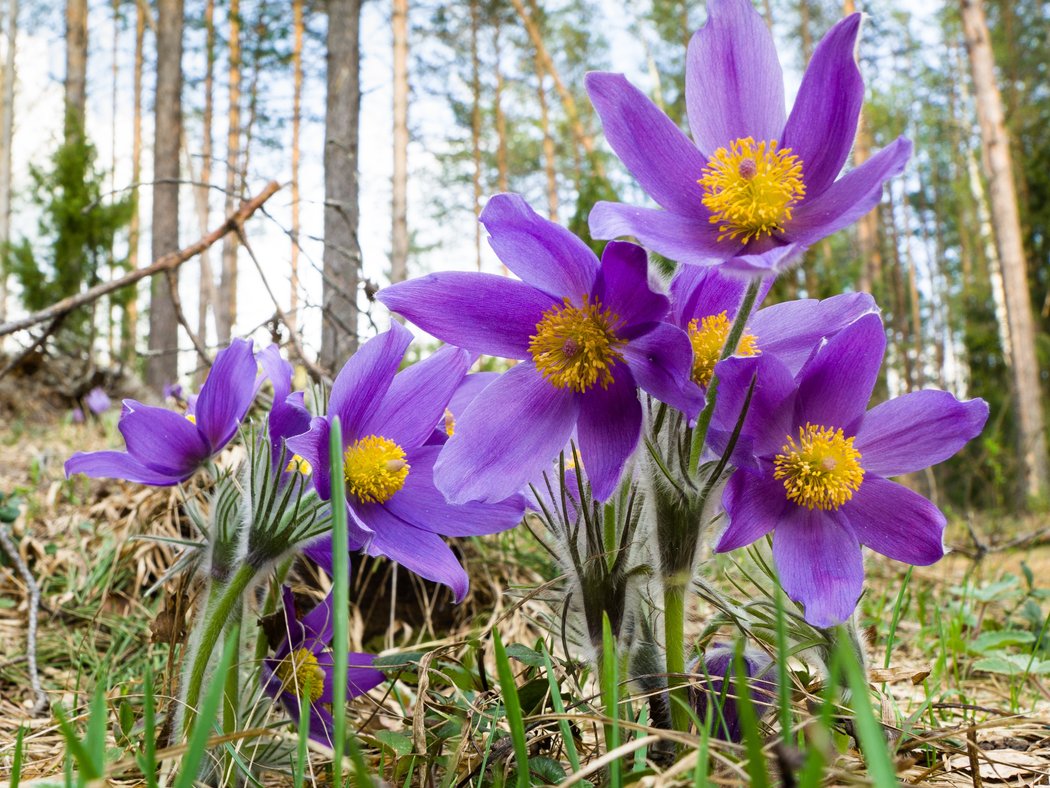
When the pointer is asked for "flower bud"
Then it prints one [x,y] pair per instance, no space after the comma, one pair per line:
[709,693]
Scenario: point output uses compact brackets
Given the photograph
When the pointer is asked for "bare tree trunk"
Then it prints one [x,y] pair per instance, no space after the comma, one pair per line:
[399,191]
[131,313]
[898,300]
[76,66]
[805,34]
[111,333]
[1003,197]
[342,253]
[913,298]
[7,129]
[226,309]
[583,139]
[549,161]
[297,116]
[163,366]
[502,165]
[767,12]
[206,291]
[475,125]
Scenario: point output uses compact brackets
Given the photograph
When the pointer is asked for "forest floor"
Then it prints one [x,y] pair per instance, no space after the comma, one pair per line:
[963,698]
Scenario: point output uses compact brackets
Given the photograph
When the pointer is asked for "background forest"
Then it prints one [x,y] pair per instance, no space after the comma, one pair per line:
[438,105]
[177,174]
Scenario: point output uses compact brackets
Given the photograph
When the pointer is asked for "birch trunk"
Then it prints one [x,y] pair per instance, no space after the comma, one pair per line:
[226,309]
[131,313]
[399,190]
[76,67]
[1006,221]
[206,291]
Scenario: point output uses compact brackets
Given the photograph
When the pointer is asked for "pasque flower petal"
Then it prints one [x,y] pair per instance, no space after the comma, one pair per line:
[895,521]
[119,465]
[623,285]
[661,361]
[365,378]
[163,440]
[609,427]
[481,312]
[754,504]
[227,393]
[680,237]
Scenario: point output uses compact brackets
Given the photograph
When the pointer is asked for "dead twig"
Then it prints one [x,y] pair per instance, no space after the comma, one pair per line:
[11,549]
[181,316]
[51,328]
[233,223]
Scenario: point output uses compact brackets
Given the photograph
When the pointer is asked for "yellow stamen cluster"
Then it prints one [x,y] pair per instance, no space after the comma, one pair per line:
[301,675]
[191,418]
[375,469]
[577,347]
[299,465]
[450,423]
[751,188]
[822,470]
[708,337]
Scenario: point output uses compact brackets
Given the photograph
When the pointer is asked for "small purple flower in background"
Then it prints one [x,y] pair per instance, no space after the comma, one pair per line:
[725,710]
[77,415]
[173,391]
[387,417]
[588,334]
[704,303]
[164,447]
[820,466]
[758,186]
[97,401]
[303,666]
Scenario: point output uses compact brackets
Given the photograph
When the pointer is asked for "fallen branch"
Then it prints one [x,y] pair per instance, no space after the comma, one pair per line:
[40,704]
[234,222]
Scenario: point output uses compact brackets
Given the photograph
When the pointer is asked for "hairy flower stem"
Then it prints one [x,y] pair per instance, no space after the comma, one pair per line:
[215,619]
[674,642]
[743,314]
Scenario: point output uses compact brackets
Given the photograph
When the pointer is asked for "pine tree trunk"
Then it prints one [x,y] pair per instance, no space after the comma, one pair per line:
[226,309]
[297,114]
[163,366]
[502,164]
[342,253]
[898,300]
[399,190]
[76,67]
[1007,224]
[7,128]
[549,160]
[475,125]
[206,291]
[131,312]
[111,333]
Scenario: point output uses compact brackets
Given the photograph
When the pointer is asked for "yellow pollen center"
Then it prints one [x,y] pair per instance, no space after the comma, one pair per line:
[191,418]
[299,465]
[375,469]
[708,336]
[577,347]
[301,675]
[820,471]
[450,423]
[750,188]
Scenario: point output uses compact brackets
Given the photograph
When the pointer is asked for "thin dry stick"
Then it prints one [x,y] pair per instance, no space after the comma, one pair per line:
[233,223]
[173,285]
[317,373]
[48,331]
[34,603]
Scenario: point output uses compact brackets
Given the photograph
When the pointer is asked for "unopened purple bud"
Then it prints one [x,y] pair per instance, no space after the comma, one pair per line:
[97,401]
[718,664]
[78,416]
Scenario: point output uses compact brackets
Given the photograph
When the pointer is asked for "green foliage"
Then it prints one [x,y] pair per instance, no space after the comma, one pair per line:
[75,233]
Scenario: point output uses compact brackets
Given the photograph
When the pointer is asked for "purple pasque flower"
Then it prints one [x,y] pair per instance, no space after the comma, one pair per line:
[387,417]
[588,335]
[288,415]
[820,466]
[713,693]
[303,666]
[472,385]
[165,447]
[758,186]
[704,304]
[77,415]
[97,401]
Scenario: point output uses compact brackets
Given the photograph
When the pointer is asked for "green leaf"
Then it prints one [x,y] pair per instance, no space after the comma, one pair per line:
[398,743]
[993,641]
[525,654]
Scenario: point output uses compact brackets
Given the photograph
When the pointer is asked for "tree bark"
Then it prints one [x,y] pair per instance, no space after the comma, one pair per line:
[342,253]
[76,67]
[163,364]
[206,291]
[1006,221]
[475,125]
[226,309]
[297,115]
[399,190]
[7,128]
[502,164]
[549,160]
[131,313]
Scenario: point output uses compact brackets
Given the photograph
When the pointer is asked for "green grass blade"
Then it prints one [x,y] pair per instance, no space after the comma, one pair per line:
[205,721]
[700,772]
[559,708]
[783,676]
[301,745]
[340,597]
[75,747]
[98,721]
[869,731]
[611,699]
[148,759]
[897,610]
[741,688]
[512,704]
[16,766]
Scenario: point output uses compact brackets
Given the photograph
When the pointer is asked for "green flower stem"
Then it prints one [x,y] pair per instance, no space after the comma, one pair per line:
[674,643]
[743,314]
[216,617]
